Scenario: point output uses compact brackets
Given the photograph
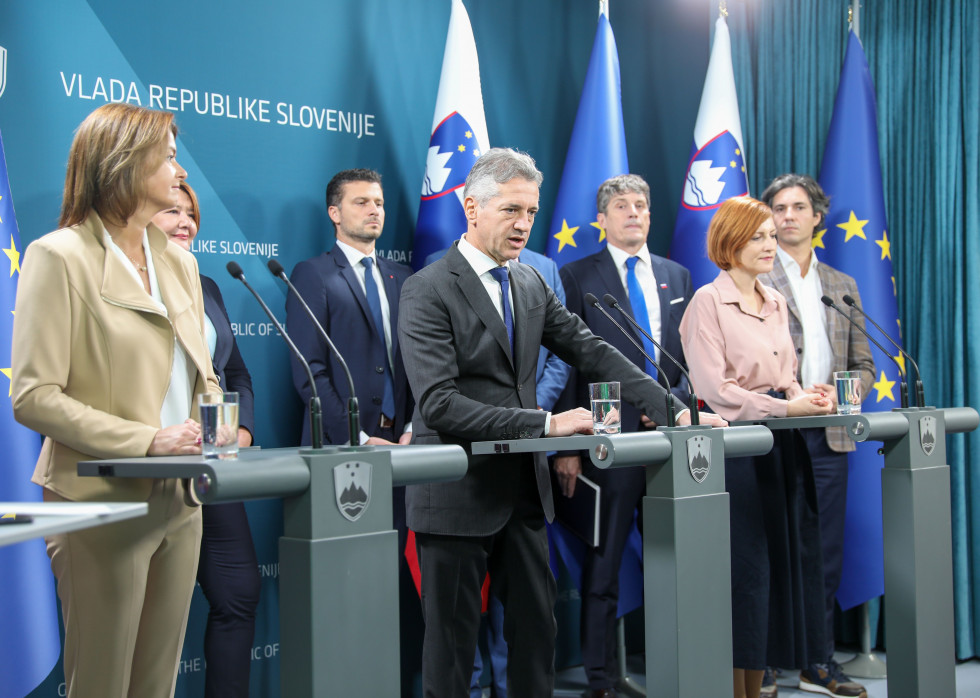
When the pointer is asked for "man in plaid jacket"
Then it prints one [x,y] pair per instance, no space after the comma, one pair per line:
[825,342]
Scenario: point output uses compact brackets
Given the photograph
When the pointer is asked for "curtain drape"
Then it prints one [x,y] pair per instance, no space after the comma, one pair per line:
[925,62]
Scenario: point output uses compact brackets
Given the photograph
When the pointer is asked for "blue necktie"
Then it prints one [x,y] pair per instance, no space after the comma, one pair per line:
[374,303]
[639,303]
[500,274]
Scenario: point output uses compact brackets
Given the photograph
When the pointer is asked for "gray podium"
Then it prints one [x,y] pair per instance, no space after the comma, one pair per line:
[338,556]
[916,517]
[686,550]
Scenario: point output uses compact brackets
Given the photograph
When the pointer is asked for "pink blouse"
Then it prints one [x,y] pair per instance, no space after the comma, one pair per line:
[735,354]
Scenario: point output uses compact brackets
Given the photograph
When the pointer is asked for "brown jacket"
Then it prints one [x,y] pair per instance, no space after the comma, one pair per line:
[850,347]
[92,354]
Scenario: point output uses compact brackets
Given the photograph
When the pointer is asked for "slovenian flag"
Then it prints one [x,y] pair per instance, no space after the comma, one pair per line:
[459,136]
[716,170]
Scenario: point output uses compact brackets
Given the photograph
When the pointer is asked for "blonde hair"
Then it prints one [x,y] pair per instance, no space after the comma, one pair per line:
[731,228]
[110,160]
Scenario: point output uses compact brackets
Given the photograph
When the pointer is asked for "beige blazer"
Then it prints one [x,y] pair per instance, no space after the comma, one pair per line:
[92,355]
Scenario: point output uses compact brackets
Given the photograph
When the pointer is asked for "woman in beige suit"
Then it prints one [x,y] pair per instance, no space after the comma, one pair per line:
[108,354]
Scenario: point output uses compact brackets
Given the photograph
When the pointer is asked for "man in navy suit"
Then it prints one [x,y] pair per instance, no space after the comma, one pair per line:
[655,291]
[354,294]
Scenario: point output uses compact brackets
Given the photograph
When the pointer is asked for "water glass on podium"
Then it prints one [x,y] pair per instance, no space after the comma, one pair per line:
[605,407]
[219,424]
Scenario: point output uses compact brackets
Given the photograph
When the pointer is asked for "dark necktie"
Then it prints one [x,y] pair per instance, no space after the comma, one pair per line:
[374,303]
[638,301]
[501,275]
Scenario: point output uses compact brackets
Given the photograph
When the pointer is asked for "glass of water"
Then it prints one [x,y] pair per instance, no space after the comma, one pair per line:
[848,385]
[605,407]
[219,424]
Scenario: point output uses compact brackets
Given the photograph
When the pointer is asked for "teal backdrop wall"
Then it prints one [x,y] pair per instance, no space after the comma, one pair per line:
[273,98]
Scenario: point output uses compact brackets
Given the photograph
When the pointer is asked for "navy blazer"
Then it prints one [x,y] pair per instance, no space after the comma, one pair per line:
[597,274]
[229,366]
[330,286]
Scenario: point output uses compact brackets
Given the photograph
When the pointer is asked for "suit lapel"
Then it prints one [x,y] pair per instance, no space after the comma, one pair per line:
[520,293]
[663,293]
[349,275]
[476,295]
[781,282]
[833,320]
[391,291]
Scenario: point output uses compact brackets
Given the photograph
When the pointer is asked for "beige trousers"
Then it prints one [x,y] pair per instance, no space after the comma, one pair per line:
[125,591]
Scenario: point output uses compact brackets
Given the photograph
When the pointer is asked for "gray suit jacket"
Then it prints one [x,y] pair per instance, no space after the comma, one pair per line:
[850,347]
[469,388]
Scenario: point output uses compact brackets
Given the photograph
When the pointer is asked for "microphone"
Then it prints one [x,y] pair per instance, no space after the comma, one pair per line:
[611,301]
[316,417]
[904,386]
[920,393]
[594,302]
[353,410]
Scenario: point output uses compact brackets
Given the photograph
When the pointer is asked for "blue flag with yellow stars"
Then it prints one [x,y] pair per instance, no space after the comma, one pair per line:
[855,240]
[716,169]
[596,152]
[27,598]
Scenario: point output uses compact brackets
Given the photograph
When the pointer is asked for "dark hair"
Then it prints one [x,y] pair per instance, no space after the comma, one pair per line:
[110,159]
[335,189]
[819,201]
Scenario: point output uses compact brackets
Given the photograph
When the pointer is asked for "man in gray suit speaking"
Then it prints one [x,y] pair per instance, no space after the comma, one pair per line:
[470,328]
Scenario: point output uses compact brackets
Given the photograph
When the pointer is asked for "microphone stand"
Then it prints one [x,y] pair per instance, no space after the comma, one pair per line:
[353,409]
[903,386]
[920,392]
[316,415]
[671,418]
[692,398]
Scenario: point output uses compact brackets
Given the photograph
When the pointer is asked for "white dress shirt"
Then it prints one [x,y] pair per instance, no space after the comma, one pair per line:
[818,355]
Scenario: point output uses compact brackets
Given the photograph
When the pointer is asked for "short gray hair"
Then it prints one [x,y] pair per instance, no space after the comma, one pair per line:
[819,200]
[621,184]
[495,167]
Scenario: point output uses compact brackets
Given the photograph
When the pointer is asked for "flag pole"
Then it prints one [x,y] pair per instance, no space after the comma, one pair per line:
[866,664]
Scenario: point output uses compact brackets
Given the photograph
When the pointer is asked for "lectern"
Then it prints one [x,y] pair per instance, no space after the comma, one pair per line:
[338,556]
[686,551]
[916,518]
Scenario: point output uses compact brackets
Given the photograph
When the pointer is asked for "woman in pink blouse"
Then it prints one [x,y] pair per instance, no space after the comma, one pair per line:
[736,339]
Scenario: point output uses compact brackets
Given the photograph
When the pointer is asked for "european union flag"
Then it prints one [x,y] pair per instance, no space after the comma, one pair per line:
[459,136]
[597,152]
[27,598]
[716,169]
[856,242]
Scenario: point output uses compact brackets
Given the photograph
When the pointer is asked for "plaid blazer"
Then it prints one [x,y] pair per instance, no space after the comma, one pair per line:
[850,347]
